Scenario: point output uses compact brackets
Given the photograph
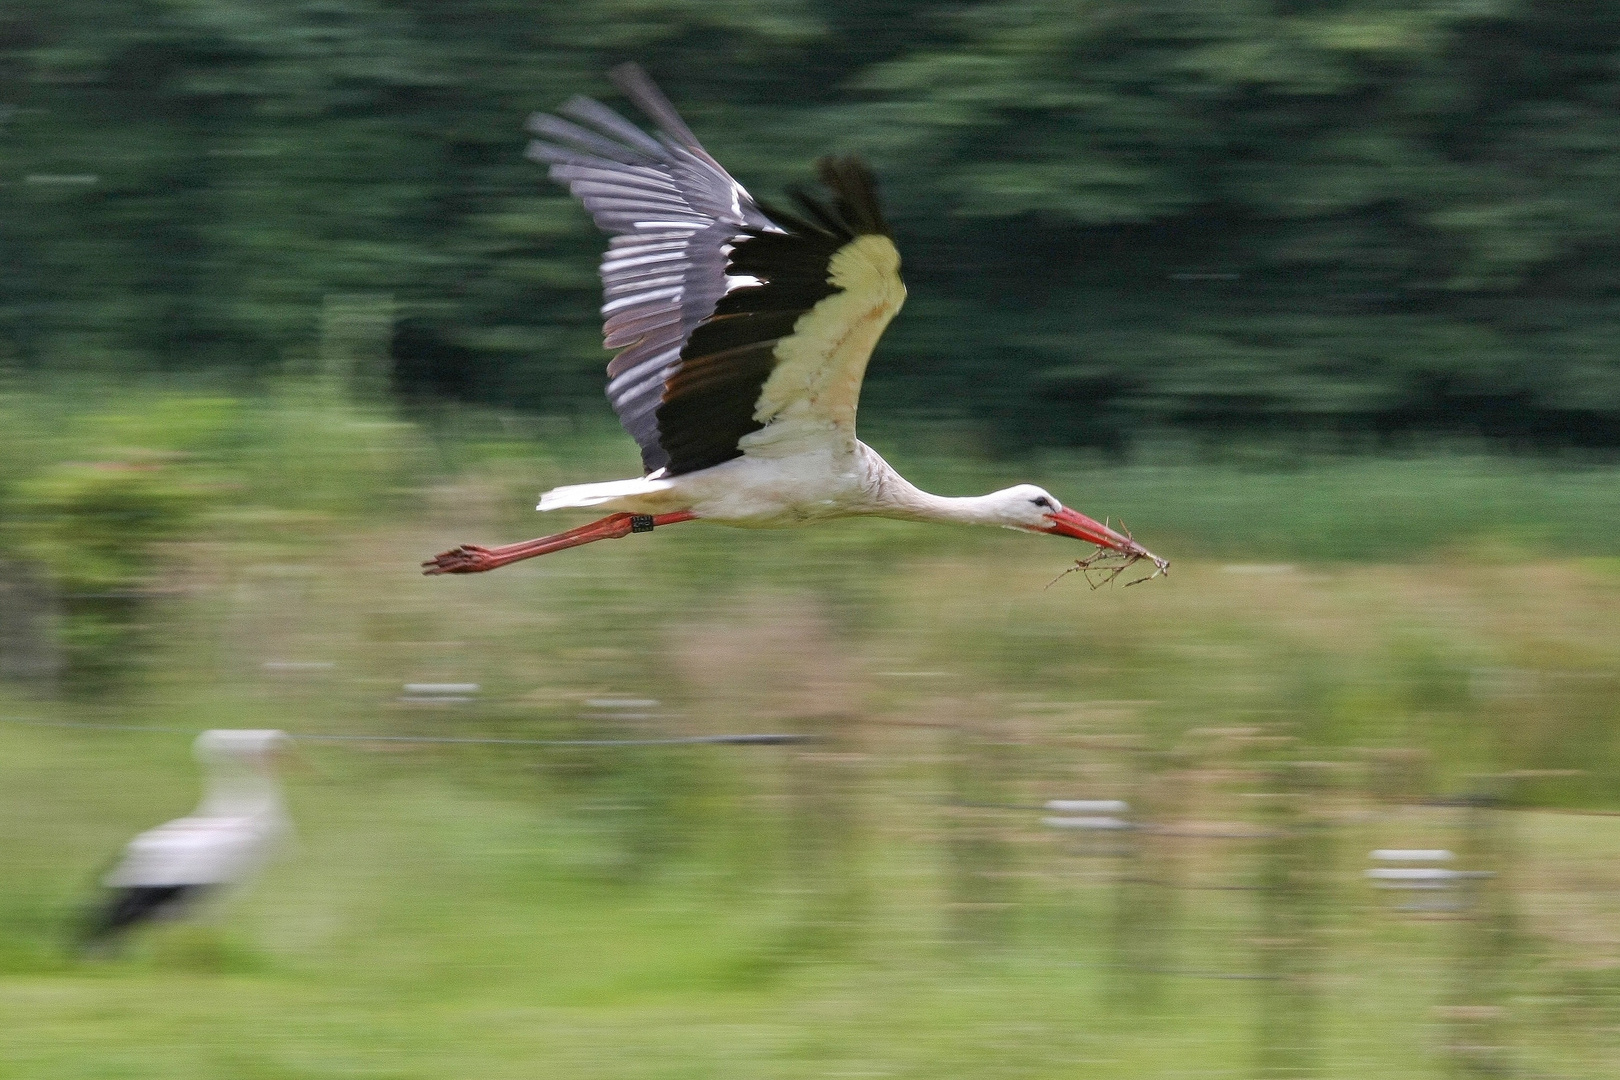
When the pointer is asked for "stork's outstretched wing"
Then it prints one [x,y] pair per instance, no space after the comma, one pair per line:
[742,329]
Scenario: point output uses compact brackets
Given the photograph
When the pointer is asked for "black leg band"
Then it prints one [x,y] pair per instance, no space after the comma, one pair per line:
[641,523]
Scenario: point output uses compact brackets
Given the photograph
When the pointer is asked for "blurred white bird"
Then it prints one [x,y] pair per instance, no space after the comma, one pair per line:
[235,827]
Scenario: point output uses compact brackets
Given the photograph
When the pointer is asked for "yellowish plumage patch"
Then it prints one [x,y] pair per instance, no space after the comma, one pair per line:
[814,389]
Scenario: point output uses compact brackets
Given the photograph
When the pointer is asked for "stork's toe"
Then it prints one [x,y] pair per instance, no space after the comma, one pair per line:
[466,559]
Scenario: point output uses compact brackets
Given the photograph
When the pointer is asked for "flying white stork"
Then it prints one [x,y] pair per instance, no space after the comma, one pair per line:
[744,332]
[235,827]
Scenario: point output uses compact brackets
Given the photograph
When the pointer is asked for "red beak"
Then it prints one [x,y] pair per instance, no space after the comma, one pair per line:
[1068,522]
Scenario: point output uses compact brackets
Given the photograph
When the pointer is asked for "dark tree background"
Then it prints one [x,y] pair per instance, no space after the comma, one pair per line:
[1364,217]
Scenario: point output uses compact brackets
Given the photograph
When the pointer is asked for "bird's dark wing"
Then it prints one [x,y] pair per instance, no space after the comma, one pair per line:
[740,326]
[126,908]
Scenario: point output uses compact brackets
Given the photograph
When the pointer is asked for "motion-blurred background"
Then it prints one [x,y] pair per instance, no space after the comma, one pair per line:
[1320,296]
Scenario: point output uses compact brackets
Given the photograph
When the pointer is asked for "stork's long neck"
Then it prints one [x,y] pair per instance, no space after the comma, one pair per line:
[238,791]
[896,497]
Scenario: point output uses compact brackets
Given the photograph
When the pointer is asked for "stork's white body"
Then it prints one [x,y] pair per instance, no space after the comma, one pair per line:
[783,492]
[233,830]
[747,491]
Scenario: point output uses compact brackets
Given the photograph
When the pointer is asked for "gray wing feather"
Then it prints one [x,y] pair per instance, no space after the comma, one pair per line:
[605,119]
[673,211]
[639,88]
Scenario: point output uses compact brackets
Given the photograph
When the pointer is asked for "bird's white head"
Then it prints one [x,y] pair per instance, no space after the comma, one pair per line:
[1034,509]
[1026,507]
[239,746]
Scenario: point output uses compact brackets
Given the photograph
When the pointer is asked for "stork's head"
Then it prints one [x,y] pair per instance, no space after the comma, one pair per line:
[239,746]
[1035,509]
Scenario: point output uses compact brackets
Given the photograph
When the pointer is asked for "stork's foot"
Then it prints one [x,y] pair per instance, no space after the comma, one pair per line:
[472,559]
[466,559]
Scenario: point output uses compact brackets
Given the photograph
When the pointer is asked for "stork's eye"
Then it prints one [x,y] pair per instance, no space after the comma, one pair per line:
[1043,502]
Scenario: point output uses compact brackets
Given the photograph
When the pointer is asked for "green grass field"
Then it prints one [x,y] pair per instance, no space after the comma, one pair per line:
[1337,643]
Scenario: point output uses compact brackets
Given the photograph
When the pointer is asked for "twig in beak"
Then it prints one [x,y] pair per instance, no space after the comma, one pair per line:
[1102,562]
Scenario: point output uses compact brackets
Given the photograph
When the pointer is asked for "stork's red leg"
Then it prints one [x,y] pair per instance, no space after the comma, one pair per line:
[472,559]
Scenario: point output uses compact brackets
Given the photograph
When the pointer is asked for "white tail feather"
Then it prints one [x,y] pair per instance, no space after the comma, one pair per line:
[575,495]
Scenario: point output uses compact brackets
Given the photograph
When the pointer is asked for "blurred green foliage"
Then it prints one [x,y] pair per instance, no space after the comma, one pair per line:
[1358,217]
[97,530]
[109,483]
[92,498]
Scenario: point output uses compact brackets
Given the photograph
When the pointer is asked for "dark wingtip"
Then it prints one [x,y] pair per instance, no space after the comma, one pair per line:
[855,188]
[854,210]
[788,220]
